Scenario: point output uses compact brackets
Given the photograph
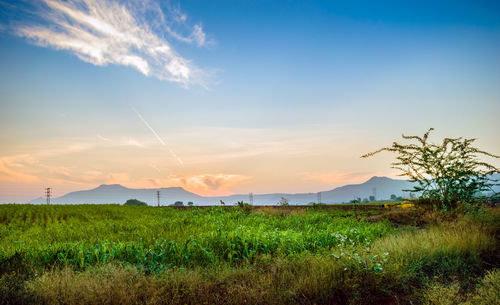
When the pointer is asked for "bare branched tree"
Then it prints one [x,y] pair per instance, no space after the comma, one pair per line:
[450,172]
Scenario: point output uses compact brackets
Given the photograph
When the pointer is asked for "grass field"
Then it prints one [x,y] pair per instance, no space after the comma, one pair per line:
[110,254]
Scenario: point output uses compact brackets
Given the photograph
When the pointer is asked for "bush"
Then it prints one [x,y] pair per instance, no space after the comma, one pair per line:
[449,173]
[244,207]
[426,202]
[283,202]
[135,202]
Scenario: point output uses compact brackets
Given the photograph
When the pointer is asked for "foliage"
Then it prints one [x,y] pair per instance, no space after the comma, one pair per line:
[283,202]
[317,205]
[396,198]
[450,172]
[135,202]
[190,203]
[178,203]
[471,208]
[246,208]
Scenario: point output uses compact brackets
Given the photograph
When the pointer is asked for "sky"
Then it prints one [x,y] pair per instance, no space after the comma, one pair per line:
[224,97]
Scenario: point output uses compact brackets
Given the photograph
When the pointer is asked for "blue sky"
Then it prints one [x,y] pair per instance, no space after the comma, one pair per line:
[280,95]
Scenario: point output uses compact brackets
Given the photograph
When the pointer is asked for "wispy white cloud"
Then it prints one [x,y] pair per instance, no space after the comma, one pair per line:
[197,36]
[100,136]
[134,34]
[205,184]
[16,168]
[134,142]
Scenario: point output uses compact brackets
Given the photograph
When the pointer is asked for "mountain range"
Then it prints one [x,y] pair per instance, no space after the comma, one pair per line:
[380,187]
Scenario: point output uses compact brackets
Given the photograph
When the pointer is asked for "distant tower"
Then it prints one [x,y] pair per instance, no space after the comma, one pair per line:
[158,196]
[48,194]
[375,193]
[250,197]
[319,197]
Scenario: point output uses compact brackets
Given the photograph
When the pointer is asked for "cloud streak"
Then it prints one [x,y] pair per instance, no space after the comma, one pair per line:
[28,169]
[203,184]
[134,34]
[158,137]
[11,169]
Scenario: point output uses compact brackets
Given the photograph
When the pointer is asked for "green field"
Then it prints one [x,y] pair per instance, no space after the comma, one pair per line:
[110,254]
[158,238]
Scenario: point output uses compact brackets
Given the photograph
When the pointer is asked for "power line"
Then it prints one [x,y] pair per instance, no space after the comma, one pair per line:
[48,194]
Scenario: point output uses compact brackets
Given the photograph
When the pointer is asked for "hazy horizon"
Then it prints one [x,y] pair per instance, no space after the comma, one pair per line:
[154,189]
[226,98]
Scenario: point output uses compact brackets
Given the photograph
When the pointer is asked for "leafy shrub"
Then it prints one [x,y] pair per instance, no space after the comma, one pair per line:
[449,172]
[471,207]
[246,208]
[283,202]
[135,202]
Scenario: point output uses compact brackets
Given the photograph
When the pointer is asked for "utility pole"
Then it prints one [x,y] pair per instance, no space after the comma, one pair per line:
[250,197]
[375,193]
[319,197]
[158,196]
[48,194]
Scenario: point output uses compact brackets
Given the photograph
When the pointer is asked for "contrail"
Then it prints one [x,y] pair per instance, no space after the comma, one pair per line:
[158,136]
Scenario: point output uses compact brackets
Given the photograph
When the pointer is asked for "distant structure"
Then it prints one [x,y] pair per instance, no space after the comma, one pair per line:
[375,193]
[48,192]
[319,197]
[158,196]
[250,197]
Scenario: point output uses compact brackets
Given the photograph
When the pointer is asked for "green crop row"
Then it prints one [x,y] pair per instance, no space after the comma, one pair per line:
[157,238]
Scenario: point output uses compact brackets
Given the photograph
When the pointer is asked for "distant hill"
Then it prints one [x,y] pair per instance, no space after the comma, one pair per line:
[115,193]
[383,187]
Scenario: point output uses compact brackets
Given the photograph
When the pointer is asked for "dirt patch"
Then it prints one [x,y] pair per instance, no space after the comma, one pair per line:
[408,217]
